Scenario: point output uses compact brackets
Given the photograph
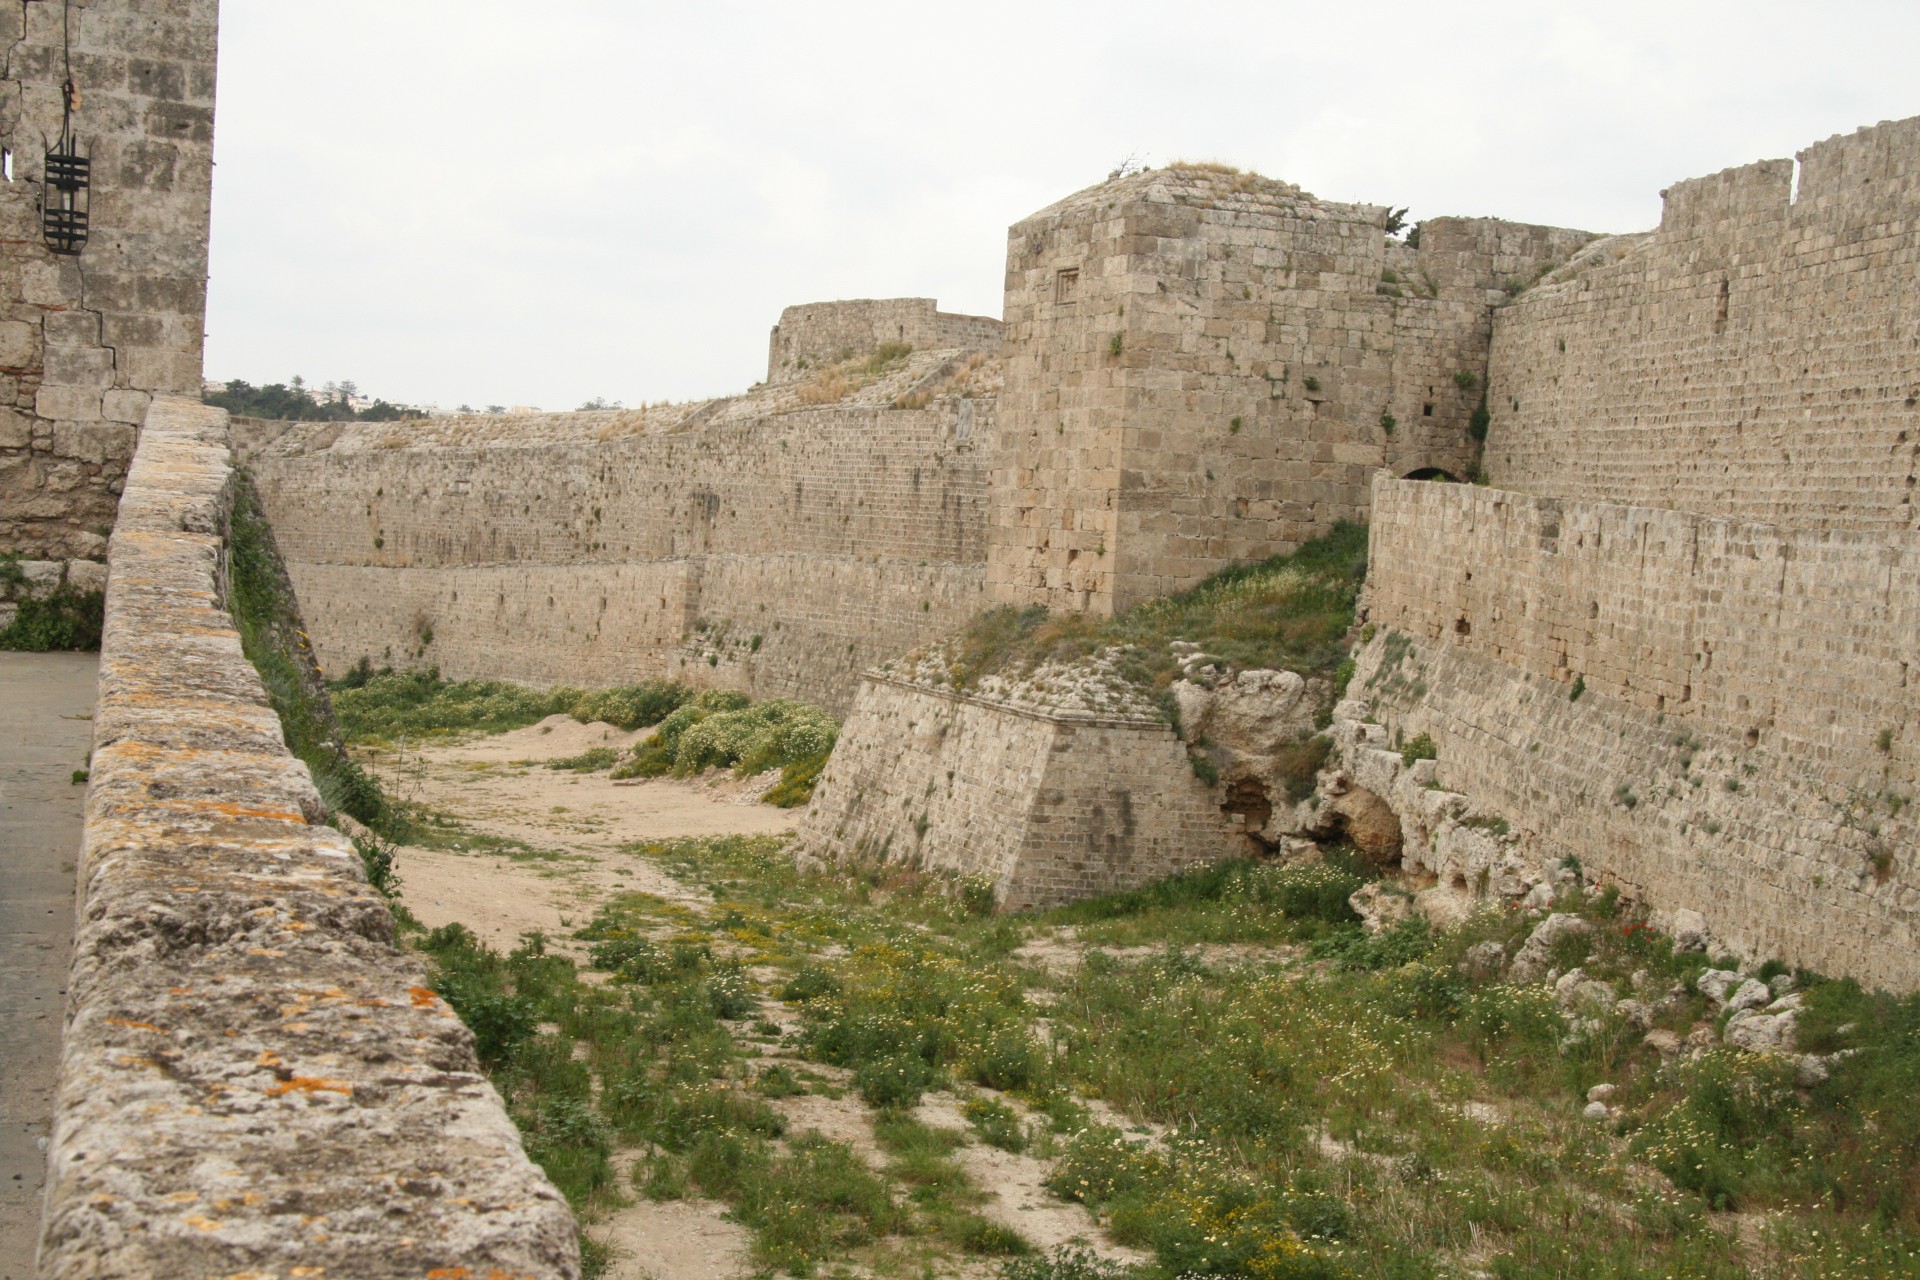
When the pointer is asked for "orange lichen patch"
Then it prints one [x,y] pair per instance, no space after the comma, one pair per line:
[308,1271]
[423,998]
[138,1026]
[372,1002]
[449,1273]
[179,991]
[133,1060]
[184,1197]
[297,1026]
[268,1058]
[200,1223]
[268,952]
[253,811]
[310,1084]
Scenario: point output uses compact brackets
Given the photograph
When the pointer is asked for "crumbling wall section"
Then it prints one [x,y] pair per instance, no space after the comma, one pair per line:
[254,1079]
[1050,806]
[86,341]
[1718,716]
[813,334]
[1757,357]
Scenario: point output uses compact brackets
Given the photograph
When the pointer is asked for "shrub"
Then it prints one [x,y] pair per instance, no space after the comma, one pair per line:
[997,1124]
[65,619]
[1419,748]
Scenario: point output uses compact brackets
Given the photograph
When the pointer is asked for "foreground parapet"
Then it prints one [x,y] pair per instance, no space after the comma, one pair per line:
[255,1081]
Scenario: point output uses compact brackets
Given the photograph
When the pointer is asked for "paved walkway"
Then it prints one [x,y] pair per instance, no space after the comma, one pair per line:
[45,699]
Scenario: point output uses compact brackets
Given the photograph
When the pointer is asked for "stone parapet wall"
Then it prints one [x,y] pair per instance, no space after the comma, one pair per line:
[85,341]
[1050,807]
[255,1080]
[1718,716]
[1757,357]
[817,333]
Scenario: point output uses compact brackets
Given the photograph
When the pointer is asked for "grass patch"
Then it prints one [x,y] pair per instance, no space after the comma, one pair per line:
[1290,612]
[387,705]
[64,619]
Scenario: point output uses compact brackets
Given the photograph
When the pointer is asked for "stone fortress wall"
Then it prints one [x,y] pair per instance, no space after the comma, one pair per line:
[86,341]
[253,1076]
[757,543]
[1206,367]
[819,333]
[1757,357]
[1704,441]
[1714,715]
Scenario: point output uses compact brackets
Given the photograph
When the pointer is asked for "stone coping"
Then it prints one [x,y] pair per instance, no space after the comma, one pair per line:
[1052,715]
[255,1081]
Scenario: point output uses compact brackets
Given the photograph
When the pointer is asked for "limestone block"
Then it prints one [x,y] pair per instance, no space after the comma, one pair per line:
[125,406]
[86,575]
[1380,905]
[96,442]
[1762,1032]
[71,404]
[16,429]
[1530,963]
[1717,984]
[90,367]
[19,345]
[1689,930]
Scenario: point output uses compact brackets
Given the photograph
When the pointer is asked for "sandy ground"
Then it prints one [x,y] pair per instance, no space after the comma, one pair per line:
[576,824]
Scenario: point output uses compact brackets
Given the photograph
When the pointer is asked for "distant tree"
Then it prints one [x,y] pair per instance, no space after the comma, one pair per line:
[291,401]
[601,402]
[1396,220]
[466,408]
[496,408]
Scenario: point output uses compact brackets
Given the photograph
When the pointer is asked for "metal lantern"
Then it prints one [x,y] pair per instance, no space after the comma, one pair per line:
[68,174]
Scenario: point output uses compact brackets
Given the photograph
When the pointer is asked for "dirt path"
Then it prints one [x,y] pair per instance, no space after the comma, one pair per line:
[537,848]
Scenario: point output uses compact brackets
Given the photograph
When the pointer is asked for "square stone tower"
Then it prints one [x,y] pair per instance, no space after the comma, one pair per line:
[87,338]
[1205,367]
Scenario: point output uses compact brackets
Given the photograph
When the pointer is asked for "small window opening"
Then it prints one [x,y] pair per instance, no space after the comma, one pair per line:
[1426,411]
[1720,307]
[6,164]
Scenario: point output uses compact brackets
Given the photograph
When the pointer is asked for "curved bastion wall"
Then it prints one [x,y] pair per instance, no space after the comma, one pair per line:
[254,1079]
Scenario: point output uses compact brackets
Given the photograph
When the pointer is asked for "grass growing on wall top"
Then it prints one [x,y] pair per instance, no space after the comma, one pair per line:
[1290,612]
[261,600]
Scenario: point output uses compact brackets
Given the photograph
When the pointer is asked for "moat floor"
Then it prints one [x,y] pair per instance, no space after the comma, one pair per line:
[46,702]
[530,848]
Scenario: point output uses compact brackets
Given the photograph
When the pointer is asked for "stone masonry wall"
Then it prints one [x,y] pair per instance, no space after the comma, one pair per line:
[1200,369]
[1757,357]
[754,544]
[1742,741]
[254,1079]
[817,333]
[85,341]
[1049,806]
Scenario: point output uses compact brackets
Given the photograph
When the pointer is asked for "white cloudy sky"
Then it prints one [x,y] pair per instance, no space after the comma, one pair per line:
[536,203]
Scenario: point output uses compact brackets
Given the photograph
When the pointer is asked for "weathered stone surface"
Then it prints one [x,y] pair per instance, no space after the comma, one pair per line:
[254,1079]
[1049,804]
[1531,962]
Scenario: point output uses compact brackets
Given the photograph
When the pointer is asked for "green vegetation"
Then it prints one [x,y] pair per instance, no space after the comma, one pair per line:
[592,760]
[721,729]
[1291,612]
[1368,1109]
[65,618]
[283,401]
[387,705]
[1419,747]
[264,612]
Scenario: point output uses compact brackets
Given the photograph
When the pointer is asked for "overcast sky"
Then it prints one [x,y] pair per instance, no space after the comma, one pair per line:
[544,202]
